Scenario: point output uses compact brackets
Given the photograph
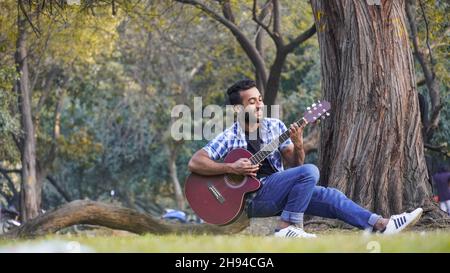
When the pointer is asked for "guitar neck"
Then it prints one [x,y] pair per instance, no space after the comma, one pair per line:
[266,150]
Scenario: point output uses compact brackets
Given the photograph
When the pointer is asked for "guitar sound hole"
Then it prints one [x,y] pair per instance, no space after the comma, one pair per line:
[235,179]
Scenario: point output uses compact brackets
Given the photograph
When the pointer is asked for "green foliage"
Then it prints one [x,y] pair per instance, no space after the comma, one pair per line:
[9,119]
[8,99]
[436,28]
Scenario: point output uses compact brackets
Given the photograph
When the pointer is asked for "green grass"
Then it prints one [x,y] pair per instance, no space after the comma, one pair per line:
[331,241]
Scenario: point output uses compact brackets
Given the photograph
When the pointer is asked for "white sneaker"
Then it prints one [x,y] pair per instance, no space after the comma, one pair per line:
[293,231]
[399,222]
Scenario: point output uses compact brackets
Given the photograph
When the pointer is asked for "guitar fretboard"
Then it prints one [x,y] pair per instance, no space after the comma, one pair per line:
[273,145]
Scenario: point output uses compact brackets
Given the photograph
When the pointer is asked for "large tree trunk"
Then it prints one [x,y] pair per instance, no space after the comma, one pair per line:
[372,147]
[30,195]
[273,83]
[101,214]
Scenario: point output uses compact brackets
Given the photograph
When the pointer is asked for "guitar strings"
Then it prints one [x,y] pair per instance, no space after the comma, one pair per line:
[269,148]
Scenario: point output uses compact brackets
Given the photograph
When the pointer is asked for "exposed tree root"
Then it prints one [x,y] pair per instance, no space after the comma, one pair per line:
[433,217]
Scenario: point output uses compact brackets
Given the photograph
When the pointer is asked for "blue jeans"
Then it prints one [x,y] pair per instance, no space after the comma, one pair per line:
[294,192]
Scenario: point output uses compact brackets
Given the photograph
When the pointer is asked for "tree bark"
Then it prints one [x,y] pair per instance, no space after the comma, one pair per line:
[173,153]
[372,148]
[260,84]
[101,214]
[273,83]
[30,194]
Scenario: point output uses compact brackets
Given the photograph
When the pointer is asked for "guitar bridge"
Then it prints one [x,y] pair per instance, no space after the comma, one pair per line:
[216,193]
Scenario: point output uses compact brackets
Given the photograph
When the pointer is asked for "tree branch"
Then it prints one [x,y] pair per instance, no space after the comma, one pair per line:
[258,20]
[24,12]
[421,82]
[5,172]
[44,49]
[438,41]
[276,19]
[18,142]
[300,39]
[56,129]
[434,119]
[44,96]
[246,44]
[227,11]
[58,188]
[264,11]
[427,31]
[10,171]
[8,198]
[441,148]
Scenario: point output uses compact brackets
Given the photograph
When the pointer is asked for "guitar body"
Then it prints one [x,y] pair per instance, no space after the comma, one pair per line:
[219,199]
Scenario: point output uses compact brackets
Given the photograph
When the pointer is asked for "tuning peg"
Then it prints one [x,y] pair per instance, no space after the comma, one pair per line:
[318,101]
[308,108]
[313,105]
[328,114]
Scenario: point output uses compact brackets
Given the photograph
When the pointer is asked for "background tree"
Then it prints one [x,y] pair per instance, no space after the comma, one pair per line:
[268,18]
[373,148]
[30,193]
[427,63]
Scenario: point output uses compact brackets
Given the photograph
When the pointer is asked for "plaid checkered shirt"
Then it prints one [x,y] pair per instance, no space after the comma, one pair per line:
[234,137]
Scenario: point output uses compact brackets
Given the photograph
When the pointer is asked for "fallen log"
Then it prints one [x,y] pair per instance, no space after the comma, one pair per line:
[114,217]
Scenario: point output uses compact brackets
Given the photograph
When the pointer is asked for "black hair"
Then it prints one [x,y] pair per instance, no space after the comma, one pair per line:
[233,92]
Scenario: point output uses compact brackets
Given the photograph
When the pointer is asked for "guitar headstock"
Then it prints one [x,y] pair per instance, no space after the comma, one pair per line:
[318,110]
